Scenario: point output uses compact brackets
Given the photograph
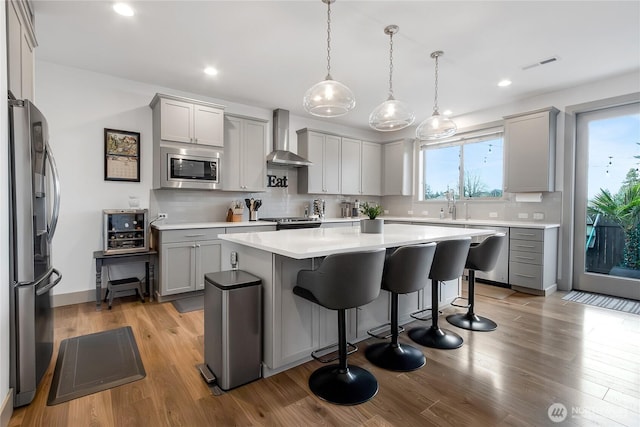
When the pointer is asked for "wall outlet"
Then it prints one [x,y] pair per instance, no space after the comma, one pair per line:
[493,214]
[425,213]
[410,212]
[386,211]
[538,215]
[523,215]
[163,215]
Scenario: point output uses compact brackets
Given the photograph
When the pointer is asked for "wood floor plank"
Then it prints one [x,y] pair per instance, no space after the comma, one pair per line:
[545,350]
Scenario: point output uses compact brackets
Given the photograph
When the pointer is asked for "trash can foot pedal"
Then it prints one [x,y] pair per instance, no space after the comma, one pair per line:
[206,373]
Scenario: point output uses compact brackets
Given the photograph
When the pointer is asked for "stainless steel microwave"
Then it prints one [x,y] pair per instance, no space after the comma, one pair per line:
[194,168]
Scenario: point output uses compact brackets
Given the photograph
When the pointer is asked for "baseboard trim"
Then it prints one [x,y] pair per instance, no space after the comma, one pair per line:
[7,409]
[75,297]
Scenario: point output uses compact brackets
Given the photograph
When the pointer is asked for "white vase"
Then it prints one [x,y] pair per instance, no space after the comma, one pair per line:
[371,225]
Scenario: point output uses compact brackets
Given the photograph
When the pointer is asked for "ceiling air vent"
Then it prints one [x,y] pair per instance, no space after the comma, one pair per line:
[541,62]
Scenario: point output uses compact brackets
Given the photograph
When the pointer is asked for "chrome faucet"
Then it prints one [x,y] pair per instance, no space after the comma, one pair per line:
[451,203]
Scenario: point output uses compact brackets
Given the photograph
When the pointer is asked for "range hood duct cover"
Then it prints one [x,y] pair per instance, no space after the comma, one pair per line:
[281,156]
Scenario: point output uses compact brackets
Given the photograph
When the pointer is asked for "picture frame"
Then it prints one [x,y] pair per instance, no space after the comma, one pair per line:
[121,155]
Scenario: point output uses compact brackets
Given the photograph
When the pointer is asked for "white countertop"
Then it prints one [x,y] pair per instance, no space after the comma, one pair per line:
[317,242]
[486,222]
[159,225]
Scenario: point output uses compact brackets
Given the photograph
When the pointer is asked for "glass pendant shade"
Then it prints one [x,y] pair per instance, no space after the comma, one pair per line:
[436,127]
[391,115]
[328,98]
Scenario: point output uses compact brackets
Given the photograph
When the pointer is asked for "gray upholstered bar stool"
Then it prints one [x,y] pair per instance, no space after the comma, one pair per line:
[343,281]
[406,270]
[448,264]
[482,257]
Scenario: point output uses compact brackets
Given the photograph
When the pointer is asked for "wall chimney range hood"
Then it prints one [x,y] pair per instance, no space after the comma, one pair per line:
[281,156]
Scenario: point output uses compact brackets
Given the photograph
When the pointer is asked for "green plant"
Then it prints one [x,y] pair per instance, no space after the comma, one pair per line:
[623,209]
[371,210]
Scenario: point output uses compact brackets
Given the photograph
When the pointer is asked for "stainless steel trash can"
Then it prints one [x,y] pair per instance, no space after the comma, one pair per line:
[233,327]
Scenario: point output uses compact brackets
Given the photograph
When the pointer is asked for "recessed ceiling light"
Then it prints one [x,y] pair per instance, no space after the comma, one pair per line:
[123,9]
[504,83]
[210,71]
[447,112]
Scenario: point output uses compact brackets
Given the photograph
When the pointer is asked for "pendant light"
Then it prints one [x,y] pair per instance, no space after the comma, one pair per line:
[436,126]
[391,114]
[328,98]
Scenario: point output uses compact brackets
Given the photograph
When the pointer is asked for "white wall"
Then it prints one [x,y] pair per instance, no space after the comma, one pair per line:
[78,105]
[4,219]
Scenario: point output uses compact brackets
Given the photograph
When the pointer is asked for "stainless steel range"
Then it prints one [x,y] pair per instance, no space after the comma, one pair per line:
[292,223]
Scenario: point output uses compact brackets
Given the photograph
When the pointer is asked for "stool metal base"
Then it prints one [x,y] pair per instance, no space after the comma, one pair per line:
[472,322]
[436,337]
[400,358]
[343,387]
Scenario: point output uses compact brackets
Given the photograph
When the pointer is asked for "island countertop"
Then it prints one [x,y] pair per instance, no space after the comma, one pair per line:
[318,242]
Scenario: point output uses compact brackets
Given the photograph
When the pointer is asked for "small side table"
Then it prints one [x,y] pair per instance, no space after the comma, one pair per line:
[104,260]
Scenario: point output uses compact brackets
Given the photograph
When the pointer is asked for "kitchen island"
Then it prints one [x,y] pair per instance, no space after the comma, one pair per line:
[294,327]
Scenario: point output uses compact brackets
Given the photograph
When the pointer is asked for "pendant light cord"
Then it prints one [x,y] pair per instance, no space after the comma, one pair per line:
[435,101]
[329,41]
[391,65]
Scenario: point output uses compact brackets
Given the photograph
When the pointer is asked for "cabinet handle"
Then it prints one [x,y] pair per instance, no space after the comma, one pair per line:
[193,246]
[525,257]
[525,234]
[525,275]
[195,139]
[197,245]
[193,235]
[525,246]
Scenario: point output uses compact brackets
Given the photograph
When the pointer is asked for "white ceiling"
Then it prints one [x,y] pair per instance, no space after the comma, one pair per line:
[270,52]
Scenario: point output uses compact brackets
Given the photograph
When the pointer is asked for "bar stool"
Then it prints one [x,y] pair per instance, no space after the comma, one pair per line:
[448,264]
[405,271]
[482,257]
[341,282]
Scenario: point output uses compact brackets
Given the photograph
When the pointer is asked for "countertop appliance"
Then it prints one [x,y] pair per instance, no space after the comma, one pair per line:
[34,199]
[292,223]
[125,230]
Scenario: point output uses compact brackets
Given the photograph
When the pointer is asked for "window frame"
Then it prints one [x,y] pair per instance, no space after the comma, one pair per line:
[468,136]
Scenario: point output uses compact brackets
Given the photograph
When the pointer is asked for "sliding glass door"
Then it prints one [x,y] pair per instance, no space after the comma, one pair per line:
[607,201]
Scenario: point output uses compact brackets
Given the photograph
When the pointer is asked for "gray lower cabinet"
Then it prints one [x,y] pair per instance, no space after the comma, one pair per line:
[533,255]
[500,273]
[185,257]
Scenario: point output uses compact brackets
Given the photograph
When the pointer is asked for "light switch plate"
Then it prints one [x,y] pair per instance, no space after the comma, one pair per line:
[493,214]
[523,215]
[538,215]
[425,213]
[386,212]
[410,212]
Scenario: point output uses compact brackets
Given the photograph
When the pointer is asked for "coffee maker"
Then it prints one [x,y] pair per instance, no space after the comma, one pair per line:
[346,209]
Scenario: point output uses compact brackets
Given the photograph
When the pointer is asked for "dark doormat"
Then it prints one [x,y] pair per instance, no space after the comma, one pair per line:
[185,305]
[91,363]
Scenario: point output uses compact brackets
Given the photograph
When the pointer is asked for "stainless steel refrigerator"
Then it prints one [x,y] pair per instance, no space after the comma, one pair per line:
[34,191]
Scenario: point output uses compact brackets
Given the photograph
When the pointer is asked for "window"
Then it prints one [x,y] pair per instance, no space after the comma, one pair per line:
[471,165]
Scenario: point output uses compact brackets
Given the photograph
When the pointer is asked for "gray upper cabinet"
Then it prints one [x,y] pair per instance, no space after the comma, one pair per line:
[189,121]
[21,42]
[351,166]
[530,147]
[398,168]
[371,169]
[245,142]
[324,151]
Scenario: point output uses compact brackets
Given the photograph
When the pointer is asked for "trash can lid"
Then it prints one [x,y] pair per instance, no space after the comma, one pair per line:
[232,279]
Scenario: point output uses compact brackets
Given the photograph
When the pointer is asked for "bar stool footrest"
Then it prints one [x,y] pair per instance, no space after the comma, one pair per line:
[416,314]
[455,304]
[383,332]
[322,355]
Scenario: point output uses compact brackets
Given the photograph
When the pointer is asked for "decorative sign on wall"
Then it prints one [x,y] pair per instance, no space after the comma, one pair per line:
[274,181]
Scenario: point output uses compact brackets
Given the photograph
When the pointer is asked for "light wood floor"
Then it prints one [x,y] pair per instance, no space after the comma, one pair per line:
[545,351]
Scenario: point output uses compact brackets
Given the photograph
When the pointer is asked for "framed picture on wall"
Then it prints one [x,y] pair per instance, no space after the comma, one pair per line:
[121,155]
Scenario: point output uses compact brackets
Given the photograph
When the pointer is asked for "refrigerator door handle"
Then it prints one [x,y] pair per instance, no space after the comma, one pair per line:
[43,290]
[56,196]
